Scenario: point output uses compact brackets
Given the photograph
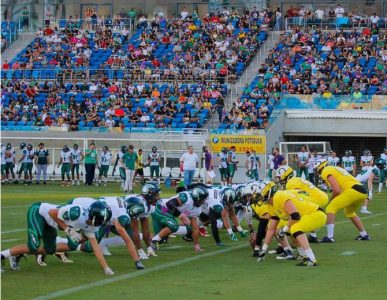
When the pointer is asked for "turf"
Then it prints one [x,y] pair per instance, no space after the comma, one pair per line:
[348,269]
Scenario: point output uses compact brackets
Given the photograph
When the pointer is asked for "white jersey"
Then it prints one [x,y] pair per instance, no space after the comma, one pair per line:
[384,157]
[270,161]
[312,161]
[3,155]
[154,159]
[223,160]
[303,157]
[367,161]
[333,161]
[75,216]
[365,175]
[76,155]
[29,155]
[149,209]
[188,208]
[44,208]
[65,156]
[253,162]
[120,154]
[105,158]
[348,162]
[214,198]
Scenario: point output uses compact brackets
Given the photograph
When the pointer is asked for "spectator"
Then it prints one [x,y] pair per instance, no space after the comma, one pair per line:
[41,161]
[140,166]
[209,165]
[90,163]
[339,11]
[189,163]
[129,160]
[278,159]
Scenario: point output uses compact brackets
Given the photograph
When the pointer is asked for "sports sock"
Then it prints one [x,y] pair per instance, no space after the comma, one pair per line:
[363,233]
[364,207]
[219,224]
[156,238]
[313,234]
[330,230]
[60,240]
[239,228]
[113,241]
[380,187]
[229,231]
[6,253]
[301,251]
[288,249]
[257,247]
[309,254]
[182,230]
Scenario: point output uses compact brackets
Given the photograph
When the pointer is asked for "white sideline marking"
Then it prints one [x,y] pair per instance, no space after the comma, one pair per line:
[174,247]
[14,230]
[10,240]
[377,224]
[348,253]
[87,286]
[15,206]
[20,213]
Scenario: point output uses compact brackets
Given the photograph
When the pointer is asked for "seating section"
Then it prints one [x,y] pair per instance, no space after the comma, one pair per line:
[8,34]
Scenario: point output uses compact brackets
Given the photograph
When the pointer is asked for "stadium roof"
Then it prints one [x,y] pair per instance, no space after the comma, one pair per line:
[336,114]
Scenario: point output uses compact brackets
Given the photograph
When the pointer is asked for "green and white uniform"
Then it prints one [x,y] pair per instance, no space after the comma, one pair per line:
[384,157]
[154,164]
[366,159]
[105,163]
[148,209]
[65,156]
[10,161]
[120,154]
[231,165]
[333,161]
[253,166]
[76,156]
[365,175]
[27,162]
[2,161]
[214,201]
[303,159]
[270,160]
[348,163]
[223,170]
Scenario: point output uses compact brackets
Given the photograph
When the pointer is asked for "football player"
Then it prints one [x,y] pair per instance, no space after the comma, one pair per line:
[27,162]
[381,181]
[333,160]
[77,156]
[347,193]
[2,163]
[154,160]
[120,154]
[10,161]
[301,217]
[349,162]
[302,161]
[366,160]
[66,161]
[252,165]
[185,206]
[367,176]
[313,157]
[78,222]
[270,166]
[231,164]
[106,157]
[222,159]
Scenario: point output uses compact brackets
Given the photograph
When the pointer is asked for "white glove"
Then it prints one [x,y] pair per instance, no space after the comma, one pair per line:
[108,271]
[142,254]
[370,195]
[73,234]
[151,252]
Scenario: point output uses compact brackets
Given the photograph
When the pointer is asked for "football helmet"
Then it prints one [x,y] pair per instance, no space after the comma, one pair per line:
[348,153]
[30,147]
[263,190]
[150,191]
[124,149]
[320,164]
[284,173]
[22,145]
[366,152]
[199,194]
[154,149]
[380,163]
[228,196]
[65,148]
[99,213]
[134,206]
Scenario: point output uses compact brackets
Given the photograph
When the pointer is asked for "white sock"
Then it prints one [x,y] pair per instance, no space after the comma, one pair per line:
[79,247]
[105,180]
[60,240]
[363,233]
[182,230]
[364,207]
[313,234]
[156,238]
[140,234]
[301,251]
[239,228]
[6,253]
[219,224]
[380,187]
[288,249]
[113,241]
[257,248]
[330,230]
[229,230]
[309,254]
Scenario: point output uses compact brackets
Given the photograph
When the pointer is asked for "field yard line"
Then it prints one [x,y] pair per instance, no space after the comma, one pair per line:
[65,292]
[14,230]
[15,206]
[364,218]
[10,240]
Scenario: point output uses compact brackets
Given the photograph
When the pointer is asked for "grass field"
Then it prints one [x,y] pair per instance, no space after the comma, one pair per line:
[348,269]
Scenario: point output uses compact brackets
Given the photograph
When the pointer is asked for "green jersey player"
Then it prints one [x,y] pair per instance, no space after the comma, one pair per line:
[222,159]
[384,157]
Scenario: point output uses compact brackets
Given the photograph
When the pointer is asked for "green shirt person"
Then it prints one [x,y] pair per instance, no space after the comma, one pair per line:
[90,163]
[91,155]
[128,161]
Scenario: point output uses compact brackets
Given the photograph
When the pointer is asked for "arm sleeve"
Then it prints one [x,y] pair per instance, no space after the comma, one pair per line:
[172,207]
[214,225]
[261,231]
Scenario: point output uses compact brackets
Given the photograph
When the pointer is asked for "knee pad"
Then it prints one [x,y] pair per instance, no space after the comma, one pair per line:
[297,233]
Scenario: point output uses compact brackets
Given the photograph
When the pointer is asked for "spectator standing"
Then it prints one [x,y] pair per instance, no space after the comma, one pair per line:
[25,17]
[278,159]
[339,11]
[209,165]
[77,157]
[129,160]
[41,161]
[90,163]
[189,162]
[278,19]
[140,166]
[132,14]
[219,108]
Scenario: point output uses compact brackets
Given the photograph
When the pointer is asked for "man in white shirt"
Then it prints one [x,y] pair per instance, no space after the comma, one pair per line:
[339,11]
[109,123]
[184,13]
[189,161]
[319,13]
[374,19]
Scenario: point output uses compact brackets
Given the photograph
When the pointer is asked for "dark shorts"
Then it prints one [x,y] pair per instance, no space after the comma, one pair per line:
[103,171]
[75,167]
[154,171]
[140,172]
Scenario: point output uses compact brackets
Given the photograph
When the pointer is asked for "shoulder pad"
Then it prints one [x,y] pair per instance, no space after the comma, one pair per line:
[74,213]
[124,220]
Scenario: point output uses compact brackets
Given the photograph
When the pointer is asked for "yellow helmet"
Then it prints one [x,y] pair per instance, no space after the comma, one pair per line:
[265,189]
[320,164]
[284,173]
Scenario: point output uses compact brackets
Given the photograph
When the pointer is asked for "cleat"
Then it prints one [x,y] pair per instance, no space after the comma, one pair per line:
[313,239]
[14,261]
[307,263]
[327,240]
[363,238]
[172,235]
[278,250]
[301,258]
[16,181]
[73,183]
[256,253]
[44,182]
[187,238]
[78,183]
[156,245]
[243,233]
[220,244]
[40,260]
[287,255]
[64,257]
[142,255]
[233,237]
[139,265]
[203,232]
[366,211]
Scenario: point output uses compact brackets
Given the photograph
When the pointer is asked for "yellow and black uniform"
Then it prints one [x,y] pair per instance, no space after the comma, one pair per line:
[139,165]
[311,216]
[352,191]
[314,194]
[260,210]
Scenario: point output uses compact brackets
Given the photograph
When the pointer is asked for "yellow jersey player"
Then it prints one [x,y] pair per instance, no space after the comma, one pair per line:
[301,216]
[347,193]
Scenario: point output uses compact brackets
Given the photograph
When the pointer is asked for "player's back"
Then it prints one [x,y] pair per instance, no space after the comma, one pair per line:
[319,197]
[344,179]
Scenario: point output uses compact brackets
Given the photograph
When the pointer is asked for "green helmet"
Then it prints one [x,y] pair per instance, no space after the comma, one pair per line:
[366,152]
[154,149]
[348,153]
[124,149]
[224,149]
[380,163]
[134,206]
[22,145]
[8,146]
[228,196]
[199,194]
[240,194]
[150,191]
[65,148]
[99,213]
[30,147]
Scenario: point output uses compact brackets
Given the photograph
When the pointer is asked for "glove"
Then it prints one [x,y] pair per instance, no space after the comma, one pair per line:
[233,237]
[73,234]
[243,233]
[184,219]
[142,254]
[197,248]
[108,271]
[150,252]
[370,195]
[281,234]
